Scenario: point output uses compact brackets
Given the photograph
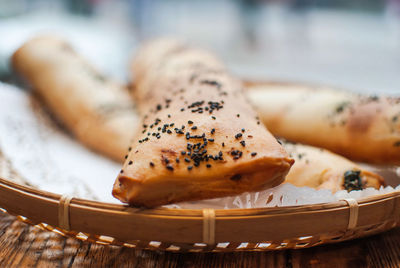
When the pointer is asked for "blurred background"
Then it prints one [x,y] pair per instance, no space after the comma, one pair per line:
[352,44]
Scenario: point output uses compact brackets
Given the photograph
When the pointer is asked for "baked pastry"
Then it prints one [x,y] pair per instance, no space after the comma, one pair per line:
[320,169]
[363,128]
[94,108]
[200,138]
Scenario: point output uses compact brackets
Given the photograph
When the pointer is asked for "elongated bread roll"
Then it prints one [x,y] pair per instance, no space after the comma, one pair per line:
[320,169]
[200,138]
[362,128]
[95,109]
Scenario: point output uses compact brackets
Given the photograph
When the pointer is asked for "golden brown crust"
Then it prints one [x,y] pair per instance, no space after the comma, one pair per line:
[198,135]
[320,169]
[362,128]
[95,109]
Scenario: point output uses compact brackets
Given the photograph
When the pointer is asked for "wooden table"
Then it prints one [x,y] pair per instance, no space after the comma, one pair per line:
[22,245]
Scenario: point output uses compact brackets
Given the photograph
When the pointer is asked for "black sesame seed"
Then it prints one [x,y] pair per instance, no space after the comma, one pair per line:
[170,167]
[183,153]
[151,164]
[190,122]
[238,136]
[213,117]
[213,131]
[243,143]
[129,149]
[243,130]
[211,140]
[194,128]
[253,154]
[159,107]
[236,177]
[208,165]
[182,109]
[130,163]
[169,131]
[189,167]
[187,159]
[126,156]
[122,171]
[223,144]
[238,115]
[177,160]
[169,116]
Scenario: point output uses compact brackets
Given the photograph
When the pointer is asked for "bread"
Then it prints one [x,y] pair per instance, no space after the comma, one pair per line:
[363,128]
[95,109]
[320,169]
[200,139]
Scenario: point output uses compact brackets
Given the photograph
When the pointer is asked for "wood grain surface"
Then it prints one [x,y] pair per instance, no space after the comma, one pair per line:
[22,245]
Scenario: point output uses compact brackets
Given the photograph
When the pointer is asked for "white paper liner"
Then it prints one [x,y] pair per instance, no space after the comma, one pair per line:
[51,160]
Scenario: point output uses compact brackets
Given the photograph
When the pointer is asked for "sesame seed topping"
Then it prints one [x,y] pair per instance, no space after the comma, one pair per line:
[236,177]
[130,163]
[190,122]
[170,167]
[238,136]
[243,143]
[151,164]
[189,167]
[208,165]
[253,154]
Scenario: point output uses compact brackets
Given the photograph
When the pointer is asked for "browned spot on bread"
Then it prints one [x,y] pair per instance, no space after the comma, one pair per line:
[362,116]
[169,152]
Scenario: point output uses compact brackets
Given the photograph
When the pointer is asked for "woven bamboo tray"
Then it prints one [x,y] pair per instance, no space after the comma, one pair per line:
[207,230]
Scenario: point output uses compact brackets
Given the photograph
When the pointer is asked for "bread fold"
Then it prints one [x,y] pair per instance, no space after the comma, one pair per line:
[95,109]
[200,139]
[362,128]
[320,169]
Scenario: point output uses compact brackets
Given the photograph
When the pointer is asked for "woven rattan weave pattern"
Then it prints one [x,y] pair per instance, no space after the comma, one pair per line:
[182,230]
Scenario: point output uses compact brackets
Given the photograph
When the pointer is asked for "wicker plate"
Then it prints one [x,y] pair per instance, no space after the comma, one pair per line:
[198,230]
